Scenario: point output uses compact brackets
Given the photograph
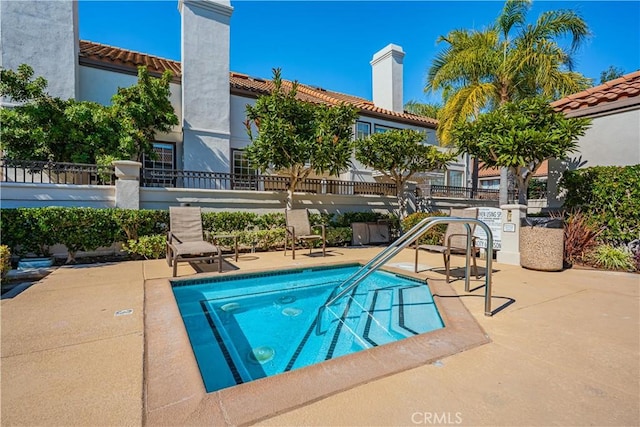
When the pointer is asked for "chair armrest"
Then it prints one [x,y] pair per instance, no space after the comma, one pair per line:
[290,229]
[171,237]
[323,227]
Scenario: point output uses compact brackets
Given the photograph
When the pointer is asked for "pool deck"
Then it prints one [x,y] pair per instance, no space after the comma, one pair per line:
[564,350]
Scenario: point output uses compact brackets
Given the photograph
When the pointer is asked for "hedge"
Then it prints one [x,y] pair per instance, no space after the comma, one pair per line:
[34,230]
[609,196]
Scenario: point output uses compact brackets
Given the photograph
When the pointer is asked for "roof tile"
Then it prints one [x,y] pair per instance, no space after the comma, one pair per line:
[91,52]
[627,86]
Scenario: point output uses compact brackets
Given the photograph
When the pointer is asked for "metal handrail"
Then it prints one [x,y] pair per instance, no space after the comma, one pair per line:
[412,235]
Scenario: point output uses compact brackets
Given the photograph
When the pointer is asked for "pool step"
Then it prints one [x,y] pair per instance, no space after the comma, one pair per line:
[378,317]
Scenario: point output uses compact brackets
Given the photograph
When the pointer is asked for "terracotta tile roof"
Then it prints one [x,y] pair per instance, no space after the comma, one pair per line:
[543,170]
[97,54]
[623,88]
[91,52]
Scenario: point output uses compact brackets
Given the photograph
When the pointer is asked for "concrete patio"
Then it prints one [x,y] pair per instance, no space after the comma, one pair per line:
[564,350]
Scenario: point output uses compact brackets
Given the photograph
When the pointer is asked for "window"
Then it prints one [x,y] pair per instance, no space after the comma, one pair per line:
[490,184]
[243,173]
[381,128]
[455,178]
[363,129]
[165,157]
[164,160]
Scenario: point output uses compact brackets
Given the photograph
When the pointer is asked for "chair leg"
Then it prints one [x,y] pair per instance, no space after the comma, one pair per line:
[293,248]
[219,261]
[175,266]
[447,259]
[475,266]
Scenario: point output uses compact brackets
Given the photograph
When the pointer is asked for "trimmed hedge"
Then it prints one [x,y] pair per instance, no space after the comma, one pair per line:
[5,261]
[434,235]
[34,230]
[609,196]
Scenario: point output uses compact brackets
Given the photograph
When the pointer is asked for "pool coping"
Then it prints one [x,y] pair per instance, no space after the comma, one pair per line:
[174,392]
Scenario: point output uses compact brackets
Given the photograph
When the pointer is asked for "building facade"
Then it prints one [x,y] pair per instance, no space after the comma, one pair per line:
[209,99]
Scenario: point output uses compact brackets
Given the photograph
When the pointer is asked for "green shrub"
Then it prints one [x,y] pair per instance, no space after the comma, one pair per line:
[434,235]
[84,229]
[611,257]
[339,236]
[271,220]
[34,230]
[136,223]
[5,260]
[225,222]
[28,230]
[147,247]
[610,196]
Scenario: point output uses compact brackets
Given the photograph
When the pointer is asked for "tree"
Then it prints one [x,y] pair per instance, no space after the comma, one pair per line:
[399,154]
[143,110]
[295,137]
[611,73]
[520,135]
[511,60]
[48,128]
[427,110]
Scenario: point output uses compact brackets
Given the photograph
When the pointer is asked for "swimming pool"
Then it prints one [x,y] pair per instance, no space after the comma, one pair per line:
[247,327]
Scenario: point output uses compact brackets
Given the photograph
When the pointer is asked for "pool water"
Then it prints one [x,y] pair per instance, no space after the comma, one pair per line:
[252,326]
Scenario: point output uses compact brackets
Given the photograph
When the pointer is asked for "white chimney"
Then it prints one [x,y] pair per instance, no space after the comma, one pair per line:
[386,66]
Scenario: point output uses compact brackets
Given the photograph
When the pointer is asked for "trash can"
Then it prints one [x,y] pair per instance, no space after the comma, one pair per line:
[542,243]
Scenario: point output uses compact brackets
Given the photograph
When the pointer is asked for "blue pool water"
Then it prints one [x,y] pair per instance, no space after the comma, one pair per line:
[247,327]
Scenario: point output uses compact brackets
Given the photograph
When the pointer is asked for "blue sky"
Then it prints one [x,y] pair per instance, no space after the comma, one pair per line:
[330,43]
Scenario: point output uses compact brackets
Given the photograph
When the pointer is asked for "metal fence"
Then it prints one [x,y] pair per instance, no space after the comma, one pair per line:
[462,193]
[24,171]
[29,171]
[226,181]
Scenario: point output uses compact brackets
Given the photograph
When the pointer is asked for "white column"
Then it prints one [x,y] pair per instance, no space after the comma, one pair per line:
[127,184]
[509,252]
[206,101]
[43,35]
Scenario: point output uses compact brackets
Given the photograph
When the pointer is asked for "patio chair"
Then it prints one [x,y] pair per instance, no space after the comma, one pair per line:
[299,230]
[185,241]
[454,241]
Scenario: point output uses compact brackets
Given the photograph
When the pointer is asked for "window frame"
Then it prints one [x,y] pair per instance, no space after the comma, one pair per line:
[368,124]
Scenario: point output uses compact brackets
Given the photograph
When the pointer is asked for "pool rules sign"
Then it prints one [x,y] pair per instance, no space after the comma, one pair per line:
[493,218]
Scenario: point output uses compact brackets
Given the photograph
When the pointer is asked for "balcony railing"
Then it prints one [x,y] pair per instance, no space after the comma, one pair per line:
[29,171]
[226,181]
[462,193]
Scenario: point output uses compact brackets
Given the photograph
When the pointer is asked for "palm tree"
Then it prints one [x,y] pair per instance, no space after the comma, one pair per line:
[510,60]
[428,110]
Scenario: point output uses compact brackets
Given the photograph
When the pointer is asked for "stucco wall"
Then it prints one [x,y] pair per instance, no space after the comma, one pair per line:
[261,201]
[42,34]
[40,195]
[612,140]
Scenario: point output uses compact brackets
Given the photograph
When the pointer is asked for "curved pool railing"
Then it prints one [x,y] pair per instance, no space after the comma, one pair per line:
[409,237]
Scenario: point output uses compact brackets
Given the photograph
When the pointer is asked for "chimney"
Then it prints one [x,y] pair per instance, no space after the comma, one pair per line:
[386,67]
